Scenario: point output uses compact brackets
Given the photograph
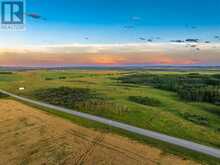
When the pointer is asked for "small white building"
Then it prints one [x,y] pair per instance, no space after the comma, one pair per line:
[21,88]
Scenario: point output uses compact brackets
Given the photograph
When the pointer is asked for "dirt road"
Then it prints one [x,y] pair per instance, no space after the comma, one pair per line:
[31,136]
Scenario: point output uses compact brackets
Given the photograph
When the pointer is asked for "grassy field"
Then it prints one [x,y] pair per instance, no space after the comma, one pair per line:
[104,93]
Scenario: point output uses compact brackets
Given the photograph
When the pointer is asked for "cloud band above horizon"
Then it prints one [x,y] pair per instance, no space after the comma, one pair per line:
[111,54]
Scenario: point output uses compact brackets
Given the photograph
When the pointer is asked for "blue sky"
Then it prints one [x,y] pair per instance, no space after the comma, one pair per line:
[103,21]
[114,12]
[100,22]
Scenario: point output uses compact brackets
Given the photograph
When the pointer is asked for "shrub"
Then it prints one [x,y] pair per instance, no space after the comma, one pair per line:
[144,100]
[2,95]
[201,120]
[62,78]
[48,78]
[102,106]
[6,72]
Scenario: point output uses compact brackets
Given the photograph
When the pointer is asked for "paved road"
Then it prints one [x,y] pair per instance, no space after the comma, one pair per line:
[155,135]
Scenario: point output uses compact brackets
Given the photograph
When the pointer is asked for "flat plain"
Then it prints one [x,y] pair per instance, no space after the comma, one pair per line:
[171,102]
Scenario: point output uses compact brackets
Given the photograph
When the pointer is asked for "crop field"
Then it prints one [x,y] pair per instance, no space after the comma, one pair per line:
[181,104]
[30,136]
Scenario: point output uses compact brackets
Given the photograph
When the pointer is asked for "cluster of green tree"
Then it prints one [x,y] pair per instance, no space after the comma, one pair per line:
[64,96]
[192,87]
[209,94]
[79,98]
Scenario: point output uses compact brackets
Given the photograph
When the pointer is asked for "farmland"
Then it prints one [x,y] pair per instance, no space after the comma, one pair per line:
[180,104]
[31,136]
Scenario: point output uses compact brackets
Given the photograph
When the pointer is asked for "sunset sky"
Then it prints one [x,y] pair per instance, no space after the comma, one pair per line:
[115,32]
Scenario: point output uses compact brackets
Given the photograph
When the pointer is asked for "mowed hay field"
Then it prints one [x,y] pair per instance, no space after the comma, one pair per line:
[31,136]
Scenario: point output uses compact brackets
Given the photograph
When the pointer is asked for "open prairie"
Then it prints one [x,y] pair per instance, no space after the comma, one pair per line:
[182,104]
[31,136]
